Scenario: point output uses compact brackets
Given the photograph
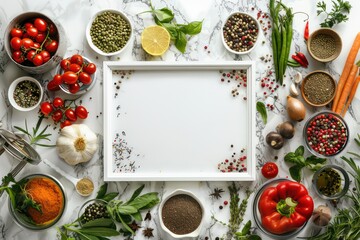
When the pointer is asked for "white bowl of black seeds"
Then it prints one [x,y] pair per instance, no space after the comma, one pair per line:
[240,33]
[109,32]
[181,214]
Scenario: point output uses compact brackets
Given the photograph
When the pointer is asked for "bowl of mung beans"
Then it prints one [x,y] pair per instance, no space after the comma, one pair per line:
[324,45]
[240,33]
[109,32]
[25,93]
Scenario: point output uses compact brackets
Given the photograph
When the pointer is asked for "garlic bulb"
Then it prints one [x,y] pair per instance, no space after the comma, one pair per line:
[76,144]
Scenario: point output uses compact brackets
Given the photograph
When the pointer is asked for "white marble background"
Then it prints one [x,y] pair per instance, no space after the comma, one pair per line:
[74,15]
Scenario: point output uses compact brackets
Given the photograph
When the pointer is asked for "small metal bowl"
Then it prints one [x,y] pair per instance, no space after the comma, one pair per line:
[344,182]
[89,39]
[12,88]
[304,82]
[86,204]
[330,34]
[24,221]
[224,27]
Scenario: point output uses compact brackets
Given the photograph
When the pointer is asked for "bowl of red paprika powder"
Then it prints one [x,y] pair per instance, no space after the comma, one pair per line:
[282,208]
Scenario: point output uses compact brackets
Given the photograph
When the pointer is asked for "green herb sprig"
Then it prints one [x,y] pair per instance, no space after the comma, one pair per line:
[260,107]
[165,17]
[338,12]
[297,158]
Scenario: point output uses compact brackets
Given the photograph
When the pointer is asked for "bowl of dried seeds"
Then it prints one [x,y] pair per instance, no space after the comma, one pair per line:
[324,45]
[240,33]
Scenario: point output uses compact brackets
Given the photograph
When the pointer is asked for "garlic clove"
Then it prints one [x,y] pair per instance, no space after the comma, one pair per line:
[293,90]
[297,78]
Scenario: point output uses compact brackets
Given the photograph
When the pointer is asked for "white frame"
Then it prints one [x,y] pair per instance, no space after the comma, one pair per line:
[110,66]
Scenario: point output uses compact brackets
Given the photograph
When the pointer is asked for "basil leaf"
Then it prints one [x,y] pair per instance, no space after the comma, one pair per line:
[181,41]
[145,201]
[110,196]
[164,15]
[260,107]
[291,157]
[192,28]
[295,172]
[172,29]
[315,160]
[127,209]
[299,151]
[253,237]
[102,191]
[136,193]
[100,231]
[137,216]
[315,167]
[246,229]
[100,222]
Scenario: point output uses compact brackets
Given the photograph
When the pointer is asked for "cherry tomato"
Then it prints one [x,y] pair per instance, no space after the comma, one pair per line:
[57,115]
[36,45]
[32,31]
[69,77]
[40,37]
[46,108]
[58,102]
[74,88]
[90,68]
[45,55]
[74,67]
[16,32]
[53,86]
[27,43]
[270,170]
[65,64]
[30,55]
[85,78]
[18,56]
[70,115]
[37,60]
[65,124]
[40,24]
[78,59]
[27,25]
[57,79]
[52,29]
[51,46]
[81,112]
[15,43]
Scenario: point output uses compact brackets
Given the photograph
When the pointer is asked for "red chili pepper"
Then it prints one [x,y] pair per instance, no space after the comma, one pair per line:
[306,31]
[299,60]
[285,207]
[302,57]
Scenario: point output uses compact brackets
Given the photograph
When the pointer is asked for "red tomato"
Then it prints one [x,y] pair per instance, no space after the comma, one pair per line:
[15,43]
[57,79]
[81,112]
[51,46]
[57,115]
[52,29]
[85,78]
[65,124]
[78,59]
[32,31]
[70,115]
[30,55]
[90,68]
[18,56]
[65,64]
[74,67]
[27,25]
[53,86]
[37,60]
[45,55]
[36,45]
[46,108]
[270,170]
[16,32]
[69,77]
[74,88]
[58,102]
[40,24]
[27,43]
[40,37]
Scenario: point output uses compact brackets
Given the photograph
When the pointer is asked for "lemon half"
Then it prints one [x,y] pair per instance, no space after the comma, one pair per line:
[155,40]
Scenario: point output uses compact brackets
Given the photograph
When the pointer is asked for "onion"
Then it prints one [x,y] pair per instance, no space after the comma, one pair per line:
[295,109]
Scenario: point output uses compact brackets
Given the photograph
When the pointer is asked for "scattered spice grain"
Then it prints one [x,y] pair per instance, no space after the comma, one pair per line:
[323,46]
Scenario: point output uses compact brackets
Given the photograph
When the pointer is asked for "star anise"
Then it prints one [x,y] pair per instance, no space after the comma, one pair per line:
[148,232]
[134,226]
[148,216]
[217,193]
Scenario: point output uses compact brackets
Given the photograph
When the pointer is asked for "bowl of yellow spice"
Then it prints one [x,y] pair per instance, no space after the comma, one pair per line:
[38,201]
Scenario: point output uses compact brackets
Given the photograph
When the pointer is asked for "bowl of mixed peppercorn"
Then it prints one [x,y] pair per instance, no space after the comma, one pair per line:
[25,93]
[240,33]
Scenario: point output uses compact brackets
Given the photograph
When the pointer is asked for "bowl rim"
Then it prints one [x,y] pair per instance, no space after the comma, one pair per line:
[192,234]
[345,186]
[303,86]
[222,34]
[305,133]
[325,31]
[13,214]
[88,27]
[12,89]
[257,196]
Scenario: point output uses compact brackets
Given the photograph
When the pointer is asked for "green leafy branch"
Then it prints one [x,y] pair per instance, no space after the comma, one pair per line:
[338,12]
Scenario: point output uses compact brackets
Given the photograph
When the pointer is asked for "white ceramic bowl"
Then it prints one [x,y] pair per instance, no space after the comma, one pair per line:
[88,37]
[12,89]
[257,38]
[190,235]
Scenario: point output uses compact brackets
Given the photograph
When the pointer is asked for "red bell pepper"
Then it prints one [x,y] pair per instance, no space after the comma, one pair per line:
[285,208]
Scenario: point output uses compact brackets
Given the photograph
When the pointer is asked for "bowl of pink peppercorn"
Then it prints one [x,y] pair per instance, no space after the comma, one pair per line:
[326,134]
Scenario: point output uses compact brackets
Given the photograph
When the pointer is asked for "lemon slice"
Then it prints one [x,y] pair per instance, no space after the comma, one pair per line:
[155,40]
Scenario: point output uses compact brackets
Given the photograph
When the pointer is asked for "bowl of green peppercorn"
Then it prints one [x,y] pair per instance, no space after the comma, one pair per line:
[109,32]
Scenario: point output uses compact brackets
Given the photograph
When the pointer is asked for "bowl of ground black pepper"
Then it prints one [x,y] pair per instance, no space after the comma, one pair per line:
[25,93]
[318,88]
[240,33]
[109,32]
[324,45]
[181,214]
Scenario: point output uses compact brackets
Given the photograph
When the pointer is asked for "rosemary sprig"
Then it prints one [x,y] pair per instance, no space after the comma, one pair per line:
[35,137]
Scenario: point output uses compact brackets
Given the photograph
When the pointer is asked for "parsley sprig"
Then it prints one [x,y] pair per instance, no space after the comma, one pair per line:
[338,13]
